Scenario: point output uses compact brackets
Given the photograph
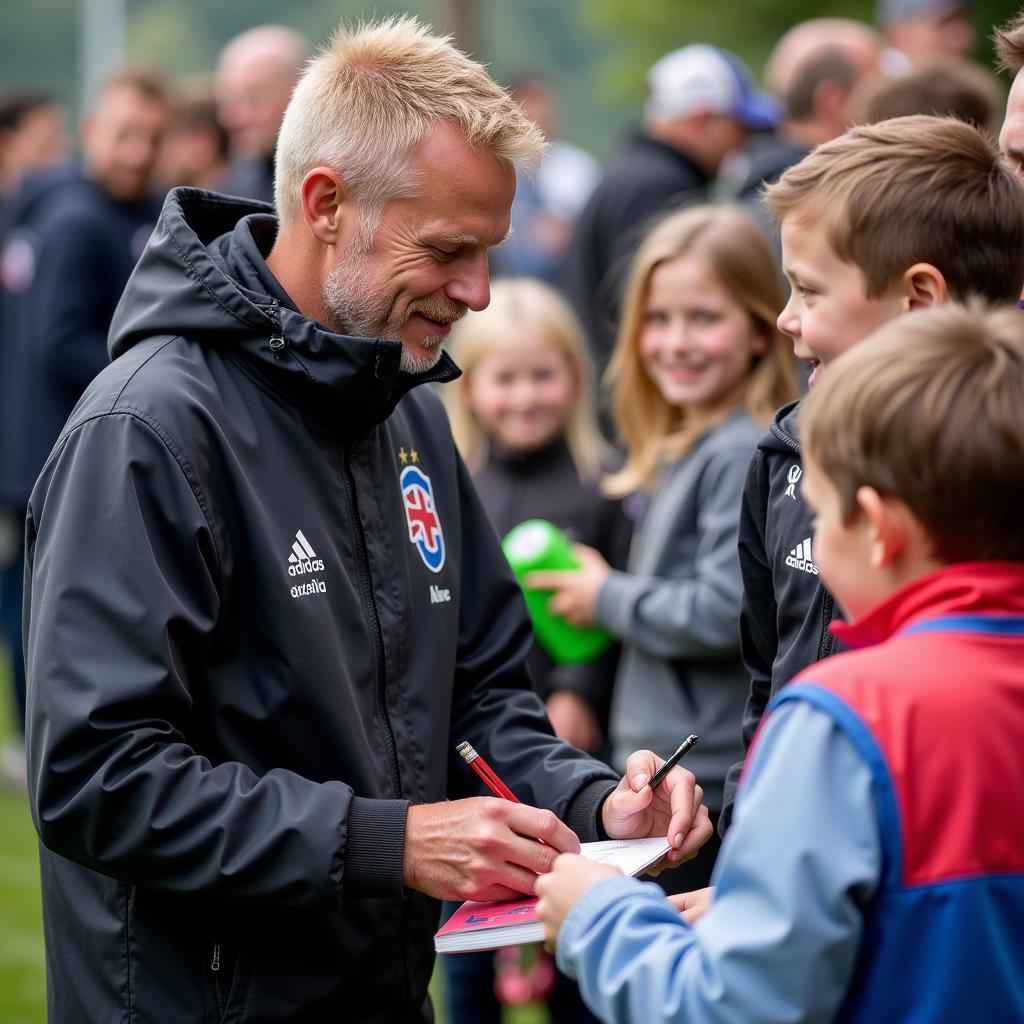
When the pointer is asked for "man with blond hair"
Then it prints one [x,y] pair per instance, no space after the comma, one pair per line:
[265,603]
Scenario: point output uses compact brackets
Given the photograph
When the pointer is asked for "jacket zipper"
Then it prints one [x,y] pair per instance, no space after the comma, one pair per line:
[215,969]
[370,608]
[277,341]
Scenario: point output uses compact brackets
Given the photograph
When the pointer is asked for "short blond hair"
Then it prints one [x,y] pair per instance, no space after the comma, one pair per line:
[913,190]
[519,304]
[928,410]
[738,254]
[369,98]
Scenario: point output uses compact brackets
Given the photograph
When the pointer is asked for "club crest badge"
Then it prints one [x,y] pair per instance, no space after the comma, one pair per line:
[421,516]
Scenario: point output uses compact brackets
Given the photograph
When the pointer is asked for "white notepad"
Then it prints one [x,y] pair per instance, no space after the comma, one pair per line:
[479,926]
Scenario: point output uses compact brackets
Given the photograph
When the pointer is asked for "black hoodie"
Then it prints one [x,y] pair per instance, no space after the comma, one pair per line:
[786,612]
[264,605]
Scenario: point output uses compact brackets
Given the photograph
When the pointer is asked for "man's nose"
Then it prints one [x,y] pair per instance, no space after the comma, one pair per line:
[471,284]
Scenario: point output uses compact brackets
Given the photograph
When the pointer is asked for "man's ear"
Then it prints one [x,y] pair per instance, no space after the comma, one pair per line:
[886,520]
[326,204]
[923,286]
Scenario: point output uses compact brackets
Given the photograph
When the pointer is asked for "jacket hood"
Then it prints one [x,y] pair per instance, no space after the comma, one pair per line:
[781,435]
[182,285]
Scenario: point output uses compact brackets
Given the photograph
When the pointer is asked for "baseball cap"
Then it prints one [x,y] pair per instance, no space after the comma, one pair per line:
[702,77]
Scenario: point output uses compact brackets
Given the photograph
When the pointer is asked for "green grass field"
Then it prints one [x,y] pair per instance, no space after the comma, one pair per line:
[22,976]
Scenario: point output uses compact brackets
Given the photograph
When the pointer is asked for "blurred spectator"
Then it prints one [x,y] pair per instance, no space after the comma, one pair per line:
[256,72]
[1010,48]
[545,206]
[918,31]
[701,104]
[195,147]
[33,136]
[953,88]
[814,69]
[74,236]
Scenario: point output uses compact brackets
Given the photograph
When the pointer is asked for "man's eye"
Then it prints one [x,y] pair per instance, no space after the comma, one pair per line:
[442,254]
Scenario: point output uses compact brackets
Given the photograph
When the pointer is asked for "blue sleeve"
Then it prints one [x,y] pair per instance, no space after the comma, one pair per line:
[781,939]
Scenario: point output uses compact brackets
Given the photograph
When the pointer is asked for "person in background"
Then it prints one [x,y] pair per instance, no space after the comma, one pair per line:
[195,151]
[701,105]
[943,88]
[698,369]
[547,204]
[256,73]
[919,31]
[522,415]
[875,871]
[33,137]
[814,69]
[1009,40]
[73,236]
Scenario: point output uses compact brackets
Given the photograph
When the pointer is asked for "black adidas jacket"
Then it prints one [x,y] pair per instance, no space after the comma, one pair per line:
[244,663]
[786,609]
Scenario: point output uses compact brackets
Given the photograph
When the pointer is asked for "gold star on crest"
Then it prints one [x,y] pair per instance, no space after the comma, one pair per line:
[403,455]
[414,455]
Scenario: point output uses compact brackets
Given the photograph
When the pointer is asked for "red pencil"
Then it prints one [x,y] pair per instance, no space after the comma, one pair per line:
[486,772]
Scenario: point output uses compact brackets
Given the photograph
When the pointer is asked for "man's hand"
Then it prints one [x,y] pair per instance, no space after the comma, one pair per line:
[559,890]
[692,906]
[575,590]
[675,810]
[481,849]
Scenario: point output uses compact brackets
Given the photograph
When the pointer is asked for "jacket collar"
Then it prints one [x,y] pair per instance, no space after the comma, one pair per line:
[185,284]
[963,589]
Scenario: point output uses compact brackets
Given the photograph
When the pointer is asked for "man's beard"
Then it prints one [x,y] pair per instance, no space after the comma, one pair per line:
[358,305]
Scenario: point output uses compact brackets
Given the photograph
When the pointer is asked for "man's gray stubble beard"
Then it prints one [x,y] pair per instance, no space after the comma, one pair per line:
[355,309]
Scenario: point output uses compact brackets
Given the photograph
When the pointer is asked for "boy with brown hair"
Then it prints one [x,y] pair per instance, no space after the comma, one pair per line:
[876,868]
[886,219]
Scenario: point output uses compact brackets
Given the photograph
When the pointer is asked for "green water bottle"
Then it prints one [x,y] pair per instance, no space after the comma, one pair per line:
[539,545]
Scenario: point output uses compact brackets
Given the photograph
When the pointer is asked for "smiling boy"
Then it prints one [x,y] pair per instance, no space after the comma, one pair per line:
[889,218]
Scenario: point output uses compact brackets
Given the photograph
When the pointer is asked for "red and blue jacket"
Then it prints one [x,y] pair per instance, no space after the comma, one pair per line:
[933,700]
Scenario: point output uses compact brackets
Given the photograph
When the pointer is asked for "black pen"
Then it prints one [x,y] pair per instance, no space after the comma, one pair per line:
[687,745]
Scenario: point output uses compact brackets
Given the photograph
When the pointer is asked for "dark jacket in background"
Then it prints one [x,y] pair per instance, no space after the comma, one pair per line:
[545,484]
[784,621]
[68,251]
[770,156]
[250,178]
[646,179]
[245,663]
